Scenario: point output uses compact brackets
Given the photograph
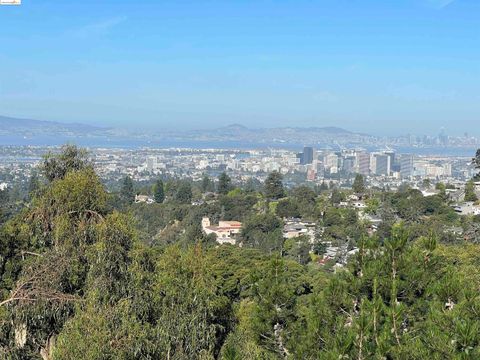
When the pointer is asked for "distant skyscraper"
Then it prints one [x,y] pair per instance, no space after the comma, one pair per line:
[307,155]
[406,166]
[363,163]
[349,164]
[391,155]
[443,137]
[331,163]
[382,164]
[300,158]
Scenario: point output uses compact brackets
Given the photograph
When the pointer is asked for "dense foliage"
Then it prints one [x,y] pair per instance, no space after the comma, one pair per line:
[86,273]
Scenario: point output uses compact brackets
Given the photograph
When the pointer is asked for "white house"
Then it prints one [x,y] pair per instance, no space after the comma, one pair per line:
[225,231]
[144,199]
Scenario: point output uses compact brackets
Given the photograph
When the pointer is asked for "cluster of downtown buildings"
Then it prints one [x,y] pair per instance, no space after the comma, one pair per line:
[309,165]
[381,163]
[315,165]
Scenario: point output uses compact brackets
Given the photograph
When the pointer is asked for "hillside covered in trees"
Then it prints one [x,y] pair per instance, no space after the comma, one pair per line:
[86,273]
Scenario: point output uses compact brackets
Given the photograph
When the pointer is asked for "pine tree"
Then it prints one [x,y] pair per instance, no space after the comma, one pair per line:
[158,192]
[127,193]
[184,193]
[358,184]
[273,186]
[206,183]
[470,191]
[476,159]
[224,183]
[33,185]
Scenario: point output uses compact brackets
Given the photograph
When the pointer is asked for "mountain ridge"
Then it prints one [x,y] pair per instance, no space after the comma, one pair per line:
[235,134]
[12,123]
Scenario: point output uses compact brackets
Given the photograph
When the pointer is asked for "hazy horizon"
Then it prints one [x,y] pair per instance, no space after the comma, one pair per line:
[374,67]
[144,129]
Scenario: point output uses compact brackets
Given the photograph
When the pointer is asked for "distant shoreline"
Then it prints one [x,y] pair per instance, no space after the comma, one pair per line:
[99,142]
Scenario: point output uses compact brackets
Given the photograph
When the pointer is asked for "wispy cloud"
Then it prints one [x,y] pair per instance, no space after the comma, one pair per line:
[439,4]
[98,28]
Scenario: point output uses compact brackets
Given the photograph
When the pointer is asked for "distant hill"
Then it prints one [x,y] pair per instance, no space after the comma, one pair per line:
[28,127]
[29,131]
[319,136]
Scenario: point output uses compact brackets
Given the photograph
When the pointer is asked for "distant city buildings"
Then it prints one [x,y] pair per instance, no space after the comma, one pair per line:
[381,164]
[363,163]
[406,166]
[307,156]
[381,168]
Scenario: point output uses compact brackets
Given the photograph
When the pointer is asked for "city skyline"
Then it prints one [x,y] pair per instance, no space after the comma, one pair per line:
[197,65]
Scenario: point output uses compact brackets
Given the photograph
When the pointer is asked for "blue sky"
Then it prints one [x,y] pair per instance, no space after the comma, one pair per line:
[383,66]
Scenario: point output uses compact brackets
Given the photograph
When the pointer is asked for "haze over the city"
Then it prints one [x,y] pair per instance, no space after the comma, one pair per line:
[406,66]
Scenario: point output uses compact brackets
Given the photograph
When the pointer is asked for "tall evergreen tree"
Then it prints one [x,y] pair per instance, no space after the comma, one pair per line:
[470,191]
[251,185]
[224,183]
[159,192]
[476,159]
[33,185]
[184,193]
[207,184]
[358,184]
[476,162]
[323,187]
[127,193]
[273,186]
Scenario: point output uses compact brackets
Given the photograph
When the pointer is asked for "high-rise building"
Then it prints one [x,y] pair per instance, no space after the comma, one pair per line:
[447,169]
[443,137]
[363,163]
[406,166]
[300,158]
[307,155]
[391,155]
[331,163]
[382,164]
[349,164]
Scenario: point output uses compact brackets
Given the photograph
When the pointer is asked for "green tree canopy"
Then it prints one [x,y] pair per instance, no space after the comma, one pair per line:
[159,192]
[358,184]
[184,193]
[224,183]
[263,232]
[207,184]
[470,194]
[476,162]
[127,193]
[70,158]
[273,186]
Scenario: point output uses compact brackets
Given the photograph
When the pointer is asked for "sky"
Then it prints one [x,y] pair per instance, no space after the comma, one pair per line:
[377,66]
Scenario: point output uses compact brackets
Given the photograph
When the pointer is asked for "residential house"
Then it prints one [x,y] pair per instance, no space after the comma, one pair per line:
[225,231]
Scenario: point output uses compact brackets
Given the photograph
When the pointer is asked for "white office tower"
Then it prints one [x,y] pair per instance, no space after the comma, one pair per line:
[406,166]
[363,163]
[331,163]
